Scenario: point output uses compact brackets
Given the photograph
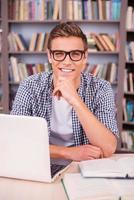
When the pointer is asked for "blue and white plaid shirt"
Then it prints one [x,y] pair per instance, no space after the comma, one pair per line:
[34,98]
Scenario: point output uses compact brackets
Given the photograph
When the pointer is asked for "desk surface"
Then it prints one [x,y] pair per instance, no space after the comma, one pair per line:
[11,189]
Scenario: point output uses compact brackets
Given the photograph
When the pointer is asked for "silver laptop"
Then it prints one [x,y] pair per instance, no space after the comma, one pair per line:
[24,149]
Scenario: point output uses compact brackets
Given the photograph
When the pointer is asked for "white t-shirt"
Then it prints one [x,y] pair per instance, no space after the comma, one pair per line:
[61,125]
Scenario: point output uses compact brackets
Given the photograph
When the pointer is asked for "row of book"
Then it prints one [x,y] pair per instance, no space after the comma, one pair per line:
[0,39]
[93,9]
[129,51]
[130,18]
[128,110]
[38,42]
[128,81]
[103,42]
[127,139]
[34,9]
[104,71]
[18,71]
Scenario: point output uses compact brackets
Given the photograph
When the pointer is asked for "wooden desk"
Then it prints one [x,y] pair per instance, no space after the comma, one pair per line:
[11,189]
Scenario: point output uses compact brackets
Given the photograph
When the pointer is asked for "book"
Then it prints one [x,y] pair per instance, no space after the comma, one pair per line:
[127,139]
[56,9]
[108,41]
[108,168]
[98,44]
[33,42]
[19,42]
[79,188]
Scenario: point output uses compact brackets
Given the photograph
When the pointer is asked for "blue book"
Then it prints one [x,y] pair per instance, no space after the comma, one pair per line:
[130,110]
[25,44]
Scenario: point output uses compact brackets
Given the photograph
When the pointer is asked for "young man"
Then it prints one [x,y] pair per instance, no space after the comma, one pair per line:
[79,108]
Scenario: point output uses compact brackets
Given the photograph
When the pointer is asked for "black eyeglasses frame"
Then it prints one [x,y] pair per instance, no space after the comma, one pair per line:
[67,53]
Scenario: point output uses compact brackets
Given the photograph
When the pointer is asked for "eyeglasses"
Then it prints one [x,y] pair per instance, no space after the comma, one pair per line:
[75,55]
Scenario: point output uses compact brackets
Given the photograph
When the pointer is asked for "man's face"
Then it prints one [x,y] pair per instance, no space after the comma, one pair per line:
[67,67]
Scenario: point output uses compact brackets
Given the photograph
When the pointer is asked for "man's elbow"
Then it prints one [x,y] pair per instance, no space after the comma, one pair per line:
[110,148]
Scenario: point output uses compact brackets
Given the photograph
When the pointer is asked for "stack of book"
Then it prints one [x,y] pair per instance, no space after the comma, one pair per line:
[104,71]
[103,42]
[17,42]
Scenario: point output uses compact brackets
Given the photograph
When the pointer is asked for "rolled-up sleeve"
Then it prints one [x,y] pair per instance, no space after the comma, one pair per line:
[23,100]
[105,109]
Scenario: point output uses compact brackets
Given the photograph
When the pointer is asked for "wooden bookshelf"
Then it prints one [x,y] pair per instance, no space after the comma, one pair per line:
[96,21]
[1,108]
[28,52]
[128,125]
[119,56]
[104,53]
[33,21]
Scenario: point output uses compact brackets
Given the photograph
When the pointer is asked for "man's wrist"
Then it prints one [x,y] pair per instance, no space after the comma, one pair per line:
[60,152]
[76,101]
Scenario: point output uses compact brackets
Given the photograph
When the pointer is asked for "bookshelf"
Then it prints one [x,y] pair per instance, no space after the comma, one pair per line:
[1,108]
[99,24]
[127,134]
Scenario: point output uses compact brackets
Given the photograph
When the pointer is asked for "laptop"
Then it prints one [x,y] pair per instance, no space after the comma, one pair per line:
[24,149]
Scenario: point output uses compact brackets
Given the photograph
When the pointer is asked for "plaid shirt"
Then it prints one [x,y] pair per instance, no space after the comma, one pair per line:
[34,98]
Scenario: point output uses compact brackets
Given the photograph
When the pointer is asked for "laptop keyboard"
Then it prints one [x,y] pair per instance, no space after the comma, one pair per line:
[56,168]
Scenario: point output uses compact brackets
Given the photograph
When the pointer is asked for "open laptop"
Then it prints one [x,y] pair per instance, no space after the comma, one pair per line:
[24,149]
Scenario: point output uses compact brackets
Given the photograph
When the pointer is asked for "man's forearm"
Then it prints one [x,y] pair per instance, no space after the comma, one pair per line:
[97,133]
[76,153]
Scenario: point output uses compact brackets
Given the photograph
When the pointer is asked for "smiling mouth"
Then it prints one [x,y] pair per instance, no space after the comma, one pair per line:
[66,70]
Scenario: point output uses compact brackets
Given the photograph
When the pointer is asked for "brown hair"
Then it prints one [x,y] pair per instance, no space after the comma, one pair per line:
[67,29]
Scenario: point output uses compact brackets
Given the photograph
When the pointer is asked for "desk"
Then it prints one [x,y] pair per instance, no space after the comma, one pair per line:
[11,189]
